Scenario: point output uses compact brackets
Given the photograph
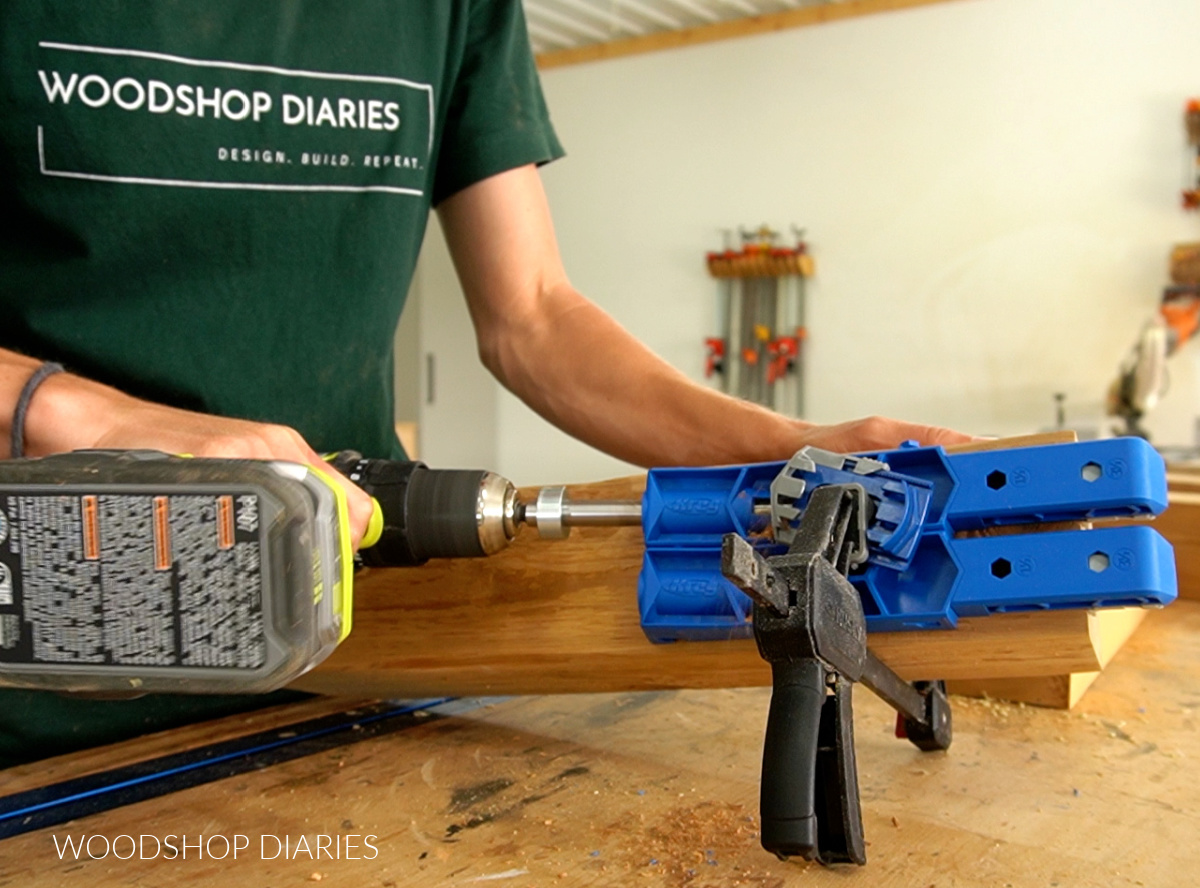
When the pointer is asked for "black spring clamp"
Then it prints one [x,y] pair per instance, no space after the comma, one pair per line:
[809,625]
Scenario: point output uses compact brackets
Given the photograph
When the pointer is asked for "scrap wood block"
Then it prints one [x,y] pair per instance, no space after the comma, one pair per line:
[1180,524]
[1109,628]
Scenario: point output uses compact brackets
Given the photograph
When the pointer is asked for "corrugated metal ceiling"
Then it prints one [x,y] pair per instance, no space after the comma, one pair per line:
[556,25]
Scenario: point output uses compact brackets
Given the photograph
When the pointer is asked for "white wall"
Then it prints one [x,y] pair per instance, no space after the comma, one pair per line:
[990,188]
[456,413]
[407,373]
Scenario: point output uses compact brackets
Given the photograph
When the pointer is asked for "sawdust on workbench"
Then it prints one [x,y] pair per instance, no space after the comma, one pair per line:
[698,846]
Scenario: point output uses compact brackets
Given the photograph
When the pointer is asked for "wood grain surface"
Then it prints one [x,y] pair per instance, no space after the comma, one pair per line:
[1180,524]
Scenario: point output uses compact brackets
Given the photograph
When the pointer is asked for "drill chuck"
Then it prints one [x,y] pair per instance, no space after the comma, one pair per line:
[432,513]
[458,513]
[498,513]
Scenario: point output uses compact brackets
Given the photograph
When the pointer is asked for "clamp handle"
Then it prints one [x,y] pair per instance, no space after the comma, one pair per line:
[809,625]
[808,800]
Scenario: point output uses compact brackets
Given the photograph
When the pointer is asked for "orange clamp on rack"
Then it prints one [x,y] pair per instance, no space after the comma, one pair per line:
[783,352]
[715,362]
[1182,315]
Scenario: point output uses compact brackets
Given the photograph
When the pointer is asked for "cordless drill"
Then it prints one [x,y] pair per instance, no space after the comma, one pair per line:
[136,571]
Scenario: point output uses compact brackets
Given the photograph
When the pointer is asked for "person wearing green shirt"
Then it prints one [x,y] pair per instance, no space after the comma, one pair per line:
[213,213]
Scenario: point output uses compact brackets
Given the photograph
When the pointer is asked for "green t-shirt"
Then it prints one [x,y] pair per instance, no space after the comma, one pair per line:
[218,204]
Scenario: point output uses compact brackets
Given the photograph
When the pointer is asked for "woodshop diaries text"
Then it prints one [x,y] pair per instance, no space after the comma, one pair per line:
[215,847]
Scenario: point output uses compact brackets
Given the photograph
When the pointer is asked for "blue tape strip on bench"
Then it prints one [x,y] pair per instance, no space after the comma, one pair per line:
[71,799]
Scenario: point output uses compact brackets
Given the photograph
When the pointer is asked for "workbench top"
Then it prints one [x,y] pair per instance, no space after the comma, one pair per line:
[661,789]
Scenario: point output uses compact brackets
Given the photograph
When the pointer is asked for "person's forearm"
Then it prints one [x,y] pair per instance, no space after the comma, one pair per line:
[614,393]
[573,364]
[582,371]
[15,371]
[68,412]
[63,414]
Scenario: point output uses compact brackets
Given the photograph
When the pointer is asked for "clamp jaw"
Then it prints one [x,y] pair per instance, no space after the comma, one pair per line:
[809,625]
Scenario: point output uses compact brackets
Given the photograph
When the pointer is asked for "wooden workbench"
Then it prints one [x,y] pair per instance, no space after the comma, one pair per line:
[661,789]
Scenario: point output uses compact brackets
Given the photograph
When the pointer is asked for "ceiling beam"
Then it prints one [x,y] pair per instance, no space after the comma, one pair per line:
[745,27]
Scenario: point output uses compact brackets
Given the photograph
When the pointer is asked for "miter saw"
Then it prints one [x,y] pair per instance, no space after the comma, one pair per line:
[1143,377]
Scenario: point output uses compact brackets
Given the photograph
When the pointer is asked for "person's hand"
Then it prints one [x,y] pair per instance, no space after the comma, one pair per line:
[71,413]
[874,433]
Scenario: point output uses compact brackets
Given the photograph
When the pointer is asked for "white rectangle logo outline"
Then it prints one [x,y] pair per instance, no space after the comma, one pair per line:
[234,66]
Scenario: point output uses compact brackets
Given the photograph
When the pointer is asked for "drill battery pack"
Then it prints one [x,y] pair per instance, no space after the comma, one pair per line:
[135,571]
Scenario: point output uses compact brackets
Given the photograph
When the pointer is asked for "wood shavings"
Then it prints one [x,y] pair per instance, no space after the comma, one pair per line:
[696,845]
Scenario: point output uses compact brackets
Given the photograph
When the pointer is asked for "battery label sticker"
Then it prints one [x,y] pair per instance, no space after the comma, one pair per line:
[131,580]
[91,528]
[162,534]
[225,522]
